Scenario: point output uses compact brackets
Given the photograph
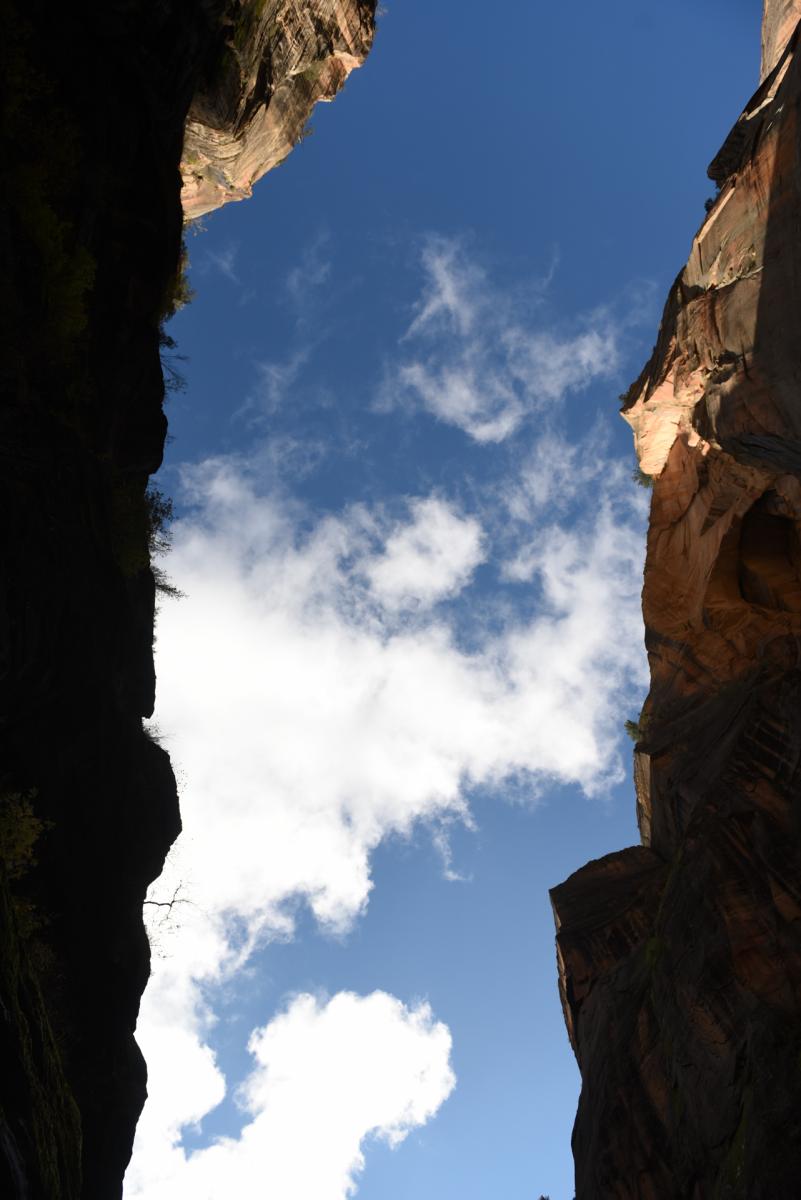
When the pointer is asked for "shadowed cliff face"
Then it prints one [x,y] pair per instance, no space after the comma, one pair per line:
[680,960]
[95,100]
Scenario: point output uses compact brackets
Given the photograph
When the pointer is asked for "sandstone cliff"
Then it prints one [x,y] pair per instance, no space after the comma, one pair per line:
[95,101]
[275,60]
[680,959]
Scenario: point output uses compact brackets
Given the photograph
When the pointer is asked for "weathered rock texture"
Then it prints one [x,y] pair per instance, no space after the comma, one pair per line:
[680,960]
[778,22]
[95,99]
[278,58]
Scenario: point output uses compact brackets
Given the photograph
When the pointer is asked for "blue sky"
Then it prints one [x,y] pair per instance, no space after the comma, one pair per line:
[411,552]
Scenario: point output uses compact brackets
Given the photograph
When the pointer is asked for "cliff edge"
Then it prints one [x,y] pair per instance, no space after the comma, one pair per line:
[274,60]
[680,959]
[96,99]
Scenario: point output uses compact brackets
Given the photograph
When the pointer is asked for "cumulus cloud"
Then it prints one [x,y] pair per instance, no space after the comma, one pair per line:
[427,559]
[312,718]
[332,680]
[326,1076]
[317,698]
[475,361]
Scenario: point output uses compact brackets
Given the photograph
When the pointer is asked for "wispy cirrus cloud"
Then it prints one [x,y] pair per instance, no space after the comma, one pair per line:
[275,381]
[222,260]
[310,273]
[474,359]
[278,379]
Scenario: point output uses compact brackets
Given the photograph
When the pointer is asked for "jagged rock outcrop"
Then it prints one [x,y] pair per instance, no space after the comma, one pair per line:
[680,960]
[95,100]
[276,60]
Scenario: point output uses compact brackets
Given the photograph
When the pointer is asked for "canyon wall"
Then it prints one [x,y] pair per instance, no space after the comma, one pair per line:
[96,98]
[276,60]
[680,959]
[779,19]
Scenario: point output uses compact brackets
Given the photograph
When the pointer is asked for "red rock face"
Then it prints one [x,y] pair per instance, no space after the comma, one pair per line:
[778,22]
[275,61]
[680,960]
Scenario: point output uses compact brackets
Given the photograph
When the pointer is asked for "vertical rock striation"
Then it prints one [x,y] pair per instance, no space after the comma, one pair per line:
[95,101]
[680,959]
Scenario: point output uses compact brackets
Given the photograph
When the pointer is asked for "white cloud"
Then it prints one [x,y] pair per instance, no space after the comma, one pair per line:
[278,380]
[317,696]
[223,260]
[274,382]
[431,557]
[312,715]
[310,273]
[312,719]
[466,392]
[555,475]
[482,364]
[451,290]
[327,1075]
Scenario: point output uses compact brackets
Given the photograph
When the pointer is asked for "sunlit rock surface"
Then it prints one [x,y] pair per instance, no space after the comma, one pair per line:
[778,22]
[276,60]
[680,960]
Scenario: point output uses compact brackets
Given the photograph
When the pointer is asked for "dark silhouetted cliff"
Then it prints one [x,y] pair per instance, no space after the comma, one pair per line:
[680,959]
[95,102]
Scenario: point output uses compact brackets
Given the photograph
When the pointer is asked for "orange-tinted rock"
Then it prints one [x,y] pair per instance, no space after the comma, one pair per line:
[778,22]
[682,989]
[277,60]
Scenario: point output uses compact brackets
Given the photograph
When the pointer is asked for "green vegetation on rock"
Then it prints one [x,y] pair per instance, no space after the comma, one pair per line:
[178,292]
[20,830]
[141,530]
